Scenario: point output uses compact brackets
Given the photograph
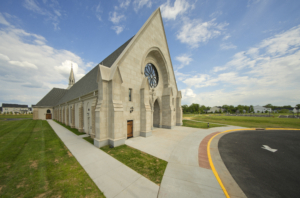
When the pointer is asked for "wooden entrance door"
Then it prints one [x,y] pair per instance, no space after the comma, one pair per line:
[129,129]
[48,116]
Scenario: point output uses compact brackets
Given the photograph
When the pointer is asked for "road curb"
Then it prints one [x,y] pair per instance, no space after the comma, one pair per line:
[223,176]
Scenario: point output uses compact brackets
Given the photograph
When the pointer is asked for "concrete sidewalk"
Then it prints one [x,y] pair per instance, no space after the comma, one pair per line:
[179,146]
[112,177]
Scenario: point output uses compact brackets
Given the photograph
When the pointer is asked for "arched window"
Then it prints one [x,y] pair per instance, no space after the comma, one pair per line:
[152,75]
[48,111]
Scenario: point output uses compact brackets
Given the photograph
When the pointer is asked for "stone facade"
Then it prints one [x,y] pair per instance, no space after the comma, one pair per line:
[104,112]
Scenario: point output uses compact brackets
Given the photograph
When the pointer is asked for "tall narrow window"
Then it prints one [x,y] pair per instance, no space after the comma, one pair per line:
[130,92]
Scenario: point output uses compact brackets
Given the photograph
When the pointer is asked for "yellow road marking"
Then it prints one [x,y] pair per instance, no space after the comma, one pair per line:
[210,160]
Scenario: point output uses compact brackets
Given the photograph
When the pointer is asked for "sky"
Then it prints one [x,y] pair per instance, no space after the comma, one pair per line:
[223,52]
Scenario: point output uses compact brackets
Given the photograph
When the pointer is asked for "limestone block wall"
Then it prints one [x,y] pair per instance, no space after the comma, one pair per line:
[35,114]
[101,114]
[87,116]
[149,47]
[39,113]
[67,116]
[156,115]
[80,129]
[73,116]
[93,122]
[77,115]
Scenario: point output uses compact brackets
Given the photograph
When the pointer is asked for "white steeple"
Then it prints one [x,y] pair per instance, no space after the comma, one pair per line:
[71,78]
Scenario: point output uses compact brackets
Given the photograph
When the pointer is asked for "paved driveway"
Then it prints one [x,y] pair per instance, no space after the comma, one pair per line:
[271,171]
[179,146]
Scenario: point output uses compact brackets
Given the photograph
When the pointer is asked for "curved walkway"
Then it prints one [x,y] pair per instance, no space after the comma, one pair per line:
[112,177]
[179,146]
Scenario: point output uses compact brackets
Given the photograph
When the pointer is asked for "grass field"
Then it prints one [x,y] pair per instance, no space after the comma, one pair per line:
[3,116]
[251,122]
[147,165]
[34,162]
[202,125]
[74,130]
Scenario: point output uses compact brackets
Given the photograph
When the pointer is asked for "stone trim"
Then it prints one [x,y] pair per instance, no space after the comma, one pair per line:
[146,134]
[100,143]
[80,119]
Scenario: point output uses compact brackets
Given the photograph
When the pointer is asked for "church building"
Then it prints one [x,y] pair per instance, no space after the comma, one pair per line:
[126,95]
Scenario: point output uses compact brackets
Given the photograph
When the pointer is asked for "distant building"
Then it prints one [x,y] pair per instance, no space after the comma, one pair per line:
[14,108]
[291,110]
[260,109]
[216,109]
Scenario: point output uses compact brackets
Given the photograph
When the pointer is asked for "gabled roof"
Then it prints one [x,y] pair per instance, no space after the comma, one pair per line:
[85,85]
[52,98]
[108,61]
[14,105]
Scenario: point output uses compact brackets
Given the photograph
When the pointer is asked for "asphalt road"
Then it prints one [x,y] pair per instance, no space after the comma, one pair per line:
[260,172]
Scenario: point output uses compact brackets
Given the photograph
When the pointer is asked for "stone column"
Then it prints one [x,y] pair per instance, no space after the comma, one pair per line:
[80,117]
[60,114]
[167,113]
[73,116]
[178,109]
[64,115]
[67,115]
[93,108]
[145,112]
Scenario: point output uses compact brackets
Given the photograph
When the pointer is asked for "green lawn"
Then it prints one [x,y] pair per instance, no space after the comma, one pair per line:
[5,116]
[74,130]
[251,122]
[34,162]
[89,139]
[147,165]
[202,125]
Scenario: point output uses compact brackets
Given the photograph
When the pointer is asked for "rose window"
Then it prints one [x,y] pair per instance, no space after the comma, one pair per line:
[152,75]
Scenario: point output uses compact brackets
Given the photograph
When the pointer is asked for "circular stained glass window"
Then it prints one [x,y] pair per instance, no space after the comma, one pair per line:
[152,75]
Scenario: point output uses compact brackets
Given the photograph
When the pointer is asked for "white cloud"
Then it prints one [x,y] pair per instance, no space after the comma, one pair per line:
[187,94]
[4,57]
[33,6]
[124,4]
[226,46]
[118,29]
[266,73]
[52,16]
[281,43]
[184,60]
[115,18]
[170,12]
[90,64]
[57,12]
[226,37]
[138,4]
[23,64]
[216,14]
[194,32]
[31,68]
[252,2]
[3,20]
[98,12]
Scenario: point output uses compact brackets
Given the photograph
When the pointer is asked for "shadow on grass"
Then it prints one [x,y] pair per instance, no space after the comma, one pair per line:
[89,139]
[147,165]
[74,130]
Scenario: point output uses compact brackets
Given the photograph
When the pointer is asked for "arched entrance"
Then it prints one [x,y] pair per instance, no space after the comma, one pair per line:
[48,114]
[156,114]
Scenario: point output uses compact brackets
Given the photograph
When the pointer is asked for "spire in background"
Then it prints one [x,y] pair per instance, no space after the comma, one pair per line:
[71,78]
